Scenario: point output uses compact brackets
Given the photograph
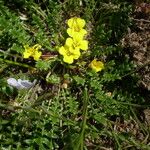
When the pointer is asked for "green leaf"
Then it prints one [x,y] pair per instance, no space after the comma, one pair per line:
[53,79]
[79,80]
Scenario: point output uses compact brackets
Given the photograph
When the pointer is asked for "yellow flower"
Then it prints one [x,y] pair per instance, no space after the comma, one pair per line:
[77,42]
[96,65]
[76,26]
[69,54]
[32,51]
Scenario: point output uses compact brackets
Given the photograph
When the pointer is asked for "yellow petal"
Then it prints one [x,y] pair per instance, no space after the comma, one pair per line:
[84,45]
[83,32]
[94,62]
[97,65]
[37,46]
[75,51]
[70,49]
[26,54]
[69,41]
[74,22]
[78,37]
[76,54]
[70,32]
[100,65]
[62,50]
[37,55]
[71,22]
[26,46]
[68,59]
[80,22]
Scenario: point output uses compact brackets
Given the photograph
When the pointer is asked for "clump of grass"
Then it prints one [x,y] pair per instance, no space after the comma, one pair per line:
[73,105]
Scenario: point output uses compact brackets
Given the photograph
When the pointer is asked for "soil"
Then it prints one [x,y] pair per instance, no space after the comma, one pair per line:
[138,42]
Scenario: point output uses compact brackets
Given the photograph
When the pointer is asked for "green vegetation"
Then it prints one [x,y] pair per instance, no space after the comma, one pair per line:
[71,107]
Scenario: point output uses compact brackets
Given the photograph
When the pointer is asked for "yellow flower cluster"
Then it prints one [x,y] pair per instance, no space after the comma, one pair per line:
[76,42]
[32,51]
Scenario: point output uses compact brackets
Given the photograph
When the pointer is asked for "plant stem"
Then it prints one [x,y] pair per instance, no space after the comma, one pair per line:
[16,63]
[80,144]
[5,52]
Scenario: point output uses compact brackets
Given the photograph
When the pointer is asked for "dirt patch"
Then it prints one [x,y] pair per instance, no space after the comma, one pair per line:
[138,42]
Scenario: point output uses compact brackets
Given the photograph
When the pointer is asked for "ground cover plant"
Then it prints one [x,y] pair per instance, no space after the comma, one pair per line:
[68,78]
